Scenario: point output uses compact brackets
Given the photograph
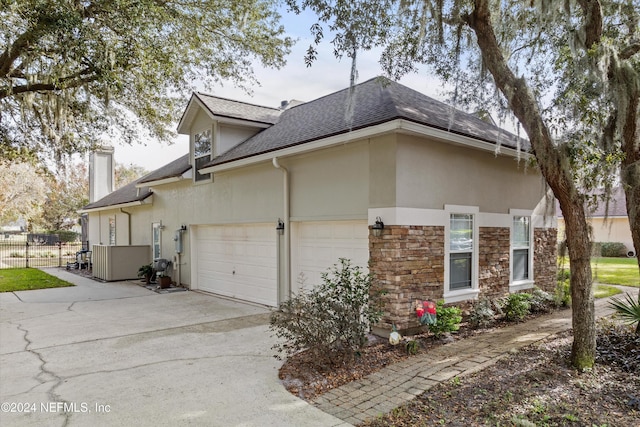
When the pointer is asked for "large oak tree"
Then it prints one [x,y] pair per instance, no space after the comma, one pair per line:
[73,72]
[569,71]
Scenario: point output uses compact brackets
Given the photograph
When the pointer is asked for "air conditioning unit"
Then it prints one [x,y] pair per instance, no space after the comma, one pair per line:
[160,264]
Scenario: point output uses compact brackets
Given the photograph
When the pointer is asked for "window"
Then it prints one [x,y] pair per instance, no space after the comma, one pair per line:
[156,239]
[521,248]
[201,153]
[112,231]
[461,243]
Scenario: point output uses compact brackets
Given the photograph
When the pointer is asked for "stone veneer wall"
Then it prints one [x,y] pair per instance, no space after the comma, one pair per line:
[407,262]
[494,246]
[545,258]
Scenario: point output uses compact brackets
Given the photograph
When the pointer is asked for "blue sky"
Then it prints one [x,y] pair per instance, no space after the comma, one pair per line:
[294,81]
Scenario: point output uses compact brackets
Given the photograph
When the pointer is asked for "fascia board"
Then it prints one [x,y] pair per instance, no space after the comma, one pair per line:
[450,137]
[146,201]
[401,125]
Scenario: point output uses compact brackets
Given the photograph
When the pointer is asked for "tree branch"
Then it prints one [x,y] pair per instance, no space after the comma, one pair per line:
[630,50]
[14,51]
[592,10]
[75,80]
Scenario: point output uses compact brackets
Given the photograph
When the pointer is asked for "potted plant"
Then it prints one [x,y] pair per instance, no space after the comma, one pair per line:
[164,281]
[146,271]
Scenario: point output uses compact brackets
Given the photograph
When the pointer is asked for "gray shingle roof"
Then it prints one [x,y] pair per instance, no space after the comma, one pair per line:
[239,110]
[376,101]
[127,194]
[616,207]
[171,170]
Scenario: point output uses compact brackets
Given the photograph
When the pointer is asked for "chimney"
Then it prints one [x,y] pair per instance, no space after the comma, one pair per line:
[101,173]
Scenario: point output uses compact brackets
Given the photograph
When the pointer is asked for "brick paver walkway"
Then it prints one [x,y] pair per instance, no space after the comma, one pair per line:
[401,382]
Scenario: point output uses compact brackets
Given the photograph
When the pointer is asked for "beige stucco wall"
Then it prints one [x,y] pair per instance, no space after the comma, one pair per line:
[330,184]
[140,226]
[614,229]
[431,174]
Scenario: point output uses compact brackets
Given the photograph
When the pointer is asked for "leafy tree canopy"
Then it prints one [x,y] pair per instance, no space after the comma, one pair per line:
[24,188]
[73,71]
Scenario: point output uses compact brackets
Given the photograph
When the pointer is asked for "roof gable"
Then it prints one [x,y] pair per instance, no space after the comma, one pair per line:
[227,109]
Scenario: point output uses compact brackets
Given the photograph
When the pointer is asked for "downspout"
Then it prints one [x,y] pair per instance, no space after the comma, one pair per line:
[128,225]
[287,229]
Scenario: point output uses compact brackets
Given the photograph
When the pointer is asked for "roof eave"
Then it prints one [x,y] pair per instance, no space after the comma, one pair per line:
[400,125]
[146,201]
[168,180]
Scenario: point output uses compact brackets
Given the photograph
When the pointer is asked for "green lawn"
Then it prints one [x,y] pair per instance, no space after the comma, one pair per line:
[616,271]
[605,291]
[611,271]
[25,279]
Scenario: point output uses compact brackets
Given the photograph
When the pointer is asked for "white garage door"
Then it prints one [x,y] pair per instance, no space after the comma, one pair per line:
[238,261]
[317,246]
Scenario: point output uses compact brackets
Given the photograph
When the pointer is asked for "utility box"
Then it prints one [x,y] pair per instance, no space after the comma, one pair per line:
[112,263]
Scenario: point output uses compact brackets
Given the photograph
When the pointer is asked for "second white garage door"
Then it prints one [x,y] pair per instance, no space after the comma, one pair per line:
[238,261]
[317,246]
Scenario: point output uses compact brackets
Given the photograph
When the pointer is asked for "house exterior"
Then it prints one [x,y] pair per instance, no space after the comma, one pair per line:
[609,222]
[269,198]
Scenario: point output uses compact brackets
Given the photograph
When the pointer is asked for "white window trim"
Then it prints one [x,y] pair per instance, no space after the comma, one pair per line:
[520,285]
[155,225]
[196,174]
[461,294]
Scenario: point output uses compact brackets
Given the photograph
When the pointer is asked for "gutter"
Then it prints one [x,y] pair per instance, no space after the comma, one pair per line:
[396,125]
[287,227]
[119,205]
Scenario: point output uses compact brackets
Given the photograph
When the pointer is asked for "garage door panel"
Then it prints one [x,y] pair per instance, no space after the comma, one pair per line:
[238,261]
[318,246]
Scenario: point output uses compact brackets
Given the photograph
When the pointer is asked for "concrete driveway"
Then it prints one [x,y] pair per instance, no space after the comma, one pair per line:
[117,354]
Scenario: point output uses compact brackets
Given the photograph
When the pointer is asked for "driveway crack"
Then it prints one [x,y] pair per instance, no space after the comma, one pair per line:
[45,375]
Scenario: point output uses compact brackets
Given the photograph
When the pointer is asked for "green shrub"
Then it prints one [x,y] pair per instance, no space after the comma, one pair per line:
[612,249]
[516,306]
[66,236]
[629,310]
[413,347]
[448,320]
[541,301]
[330,321]
[564,275]
[16,255]
[562,294]
[482,314]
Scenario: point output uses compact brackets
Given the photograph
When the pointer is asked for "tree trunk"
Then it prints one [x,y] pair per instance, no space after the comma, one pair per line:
[628,80]
[554,166]
[583,318]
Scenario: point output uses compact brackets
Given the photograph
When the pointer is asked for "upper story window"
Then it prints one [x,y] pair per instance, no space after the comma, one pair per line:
[521,248]
[202,142]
